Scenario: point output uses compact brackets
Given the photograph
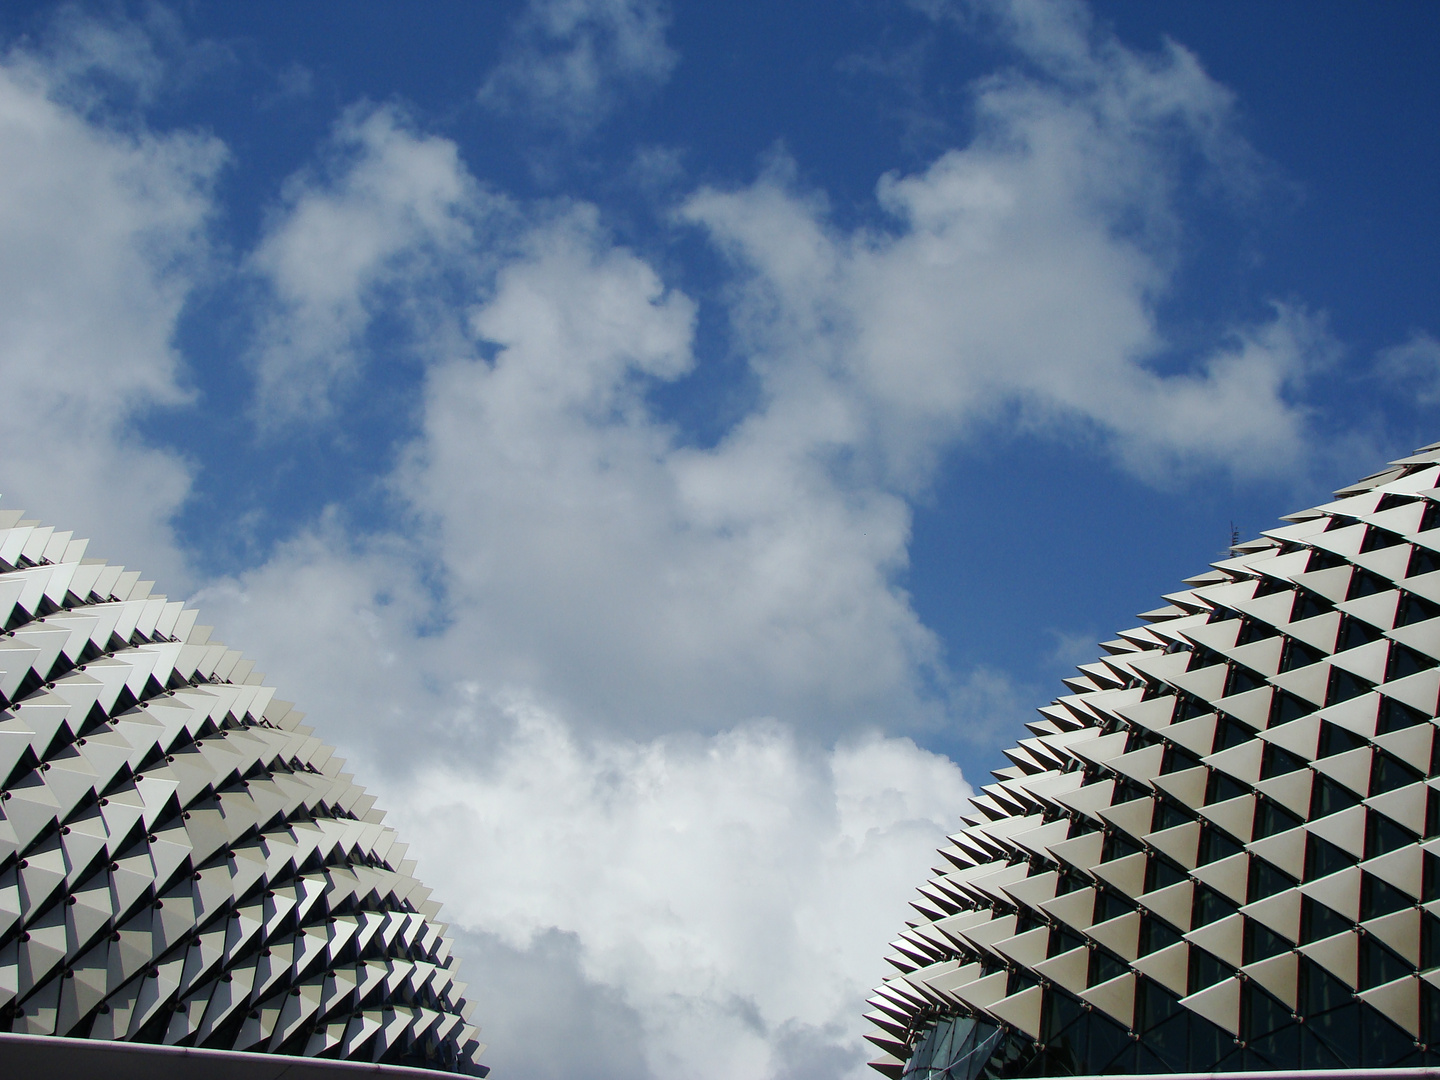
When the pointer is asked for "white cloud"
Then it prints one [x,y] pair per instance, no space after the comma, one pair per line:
[585,553]
[719,903]
[1414,365]
[641,582]
[556,670]
[570,63]
[367,231]
[1021,272]
[102,237]
[548,1021]
[579,550]
[734,892]
[555,673]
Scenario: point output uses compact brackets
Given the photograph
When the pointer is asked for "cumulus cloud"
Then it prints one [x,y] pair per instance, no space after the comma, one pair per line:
[370,228]
[714,904]
[593,616]
[622,690]
[103,234]
[584,550]
[644,583]
[1414,364]
[733,891]
[1021,272]
[570,63]
[549,1021]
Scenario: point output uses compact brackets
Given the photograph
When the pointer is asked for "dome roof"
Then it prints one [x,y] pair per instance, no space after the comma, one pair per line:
[1217,852]
[182,861]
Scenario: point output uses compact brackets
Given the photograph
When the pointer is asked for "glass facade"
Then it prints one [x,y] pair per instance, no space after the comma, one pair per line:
[1221,851]
[1330,1029]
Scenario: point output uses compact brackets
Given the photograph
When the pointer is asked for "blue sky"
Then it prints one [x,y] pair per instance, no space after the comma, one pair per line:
[671,448]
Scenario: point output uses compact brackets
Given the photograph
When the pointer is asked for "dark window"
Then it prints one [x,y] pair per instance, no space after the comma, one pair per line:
[1118,845]
[1278,761]
[1156,934]
[1140,738]
[1380,898]
[1127,790]
[1177,760]
[1272,818]
[1430,879]
[1431,518]
[1019,979]
[1221,786]
[1161,873]
[1429,942]
[1345,685]
[1261,942]
[1266,880]
[1209,906]
[1168,814]
[1270,585]
[1201,657]
[1063,940]
[1297,655]
[1323,857]
[1383,835]
[1378,964]
[1318,922]
[1166,1027]
[1388,773]
[1354,633]
[1254,630]
[1287,707]
[1242,679]
[1188,706]
[1405,661]
[1104,966]
[1422,561]
[1364,583]
[1308,605]
[1415,609]
[1390,500]
[1268,1029]
[1328,797]
[1205,970]
[1230,732]
[1377,538]
[1336,740]
[1320,559]
[1332,1018]
[1395,715]
[1216,845]
[1110,904]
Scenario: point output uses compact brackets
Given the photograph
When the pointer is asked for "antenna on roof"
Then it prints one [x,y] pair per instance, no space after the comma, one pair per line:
[1234,537]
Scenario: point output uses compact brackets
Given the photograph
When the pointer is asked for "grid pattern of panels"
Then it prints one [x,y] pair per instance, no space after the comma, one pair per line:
[181,860]
[1225,828]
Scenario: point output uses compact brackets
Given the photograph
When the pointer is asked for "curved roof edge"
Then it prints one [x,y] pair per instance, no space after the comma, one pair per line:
[59,1058]
[1422,1072]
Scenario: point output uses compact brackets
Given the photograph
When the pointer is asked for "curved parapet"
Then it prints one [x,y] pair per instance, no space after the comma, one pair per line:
[182,862]
[1218,853]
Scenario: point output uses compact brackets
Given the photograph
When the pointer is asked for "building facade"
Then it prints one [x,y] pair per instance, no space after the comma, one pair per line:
[183,862]
[1219,851]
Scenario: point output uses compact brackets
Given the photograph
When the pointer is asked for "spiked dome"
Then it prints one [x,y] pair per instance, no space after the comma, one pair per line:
[1219,851]
[181,860]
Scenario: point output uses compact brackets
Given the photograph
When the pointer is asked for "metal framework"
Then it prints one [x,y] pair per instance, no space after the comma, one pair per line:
[1219,851]
[181,860]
